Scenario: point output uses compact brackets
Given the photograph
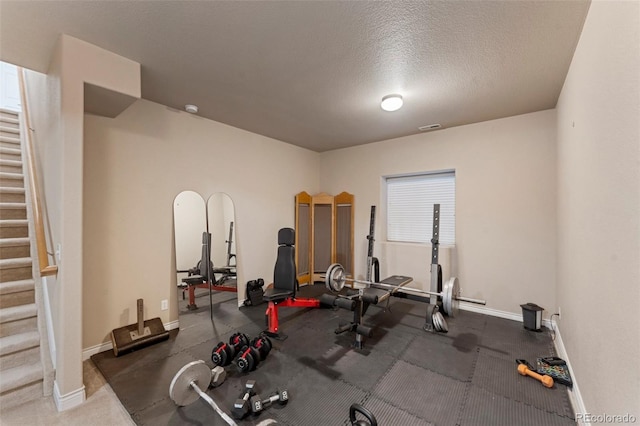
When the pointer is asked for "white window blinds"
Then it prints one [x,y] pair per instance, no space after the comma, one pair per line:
[410,201]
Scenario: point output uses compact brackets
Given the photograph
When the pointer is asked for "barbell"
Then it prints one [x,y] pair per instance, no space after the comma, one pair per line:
[335,279]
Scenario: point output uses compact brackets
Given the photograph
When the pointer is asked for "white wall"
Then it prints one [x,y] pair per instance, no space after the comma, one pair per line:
[135,165]
[505,205]
[599,209]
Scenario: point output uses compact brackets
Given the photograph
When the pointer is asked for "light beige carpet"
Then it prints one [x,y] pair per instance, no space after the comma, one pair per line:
[101,407]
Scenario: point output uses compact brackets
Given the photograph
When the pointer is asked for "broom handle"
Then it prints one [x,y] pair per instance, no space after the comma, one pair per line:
[140,318]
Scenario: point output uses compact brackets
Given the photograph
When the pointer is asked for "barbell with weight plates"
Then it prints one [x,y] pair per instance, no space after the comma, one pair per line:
[336,278]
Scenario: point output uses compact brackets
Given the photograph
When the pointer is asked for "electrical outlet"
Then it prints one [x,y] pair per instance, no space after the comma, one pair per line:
[164,305]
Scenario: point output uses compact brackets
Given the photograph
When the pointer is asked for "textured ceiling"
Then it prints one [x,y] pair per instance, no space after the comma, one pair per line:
[312,73]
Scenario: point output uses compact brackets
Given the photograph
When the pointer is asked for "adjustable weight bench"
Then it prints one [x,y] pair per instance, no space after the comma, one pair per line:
[285,284]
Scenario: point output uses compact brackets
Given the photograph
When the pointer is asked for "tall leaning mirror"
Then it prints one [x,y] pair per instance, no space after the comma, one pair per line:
[205,252]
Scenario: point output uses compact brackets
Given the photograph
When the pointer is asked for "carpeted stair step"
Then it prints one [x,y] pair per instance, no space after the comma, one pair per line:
[18,319]
[14,378]
[13,210]
[9,133]
[11,248]
[14,228]
[12,180]
[10,153]
[15,293]
[16,269]
[10,166]
[19,349]
[12,195]
[9,140]
[9,119]
[25,393]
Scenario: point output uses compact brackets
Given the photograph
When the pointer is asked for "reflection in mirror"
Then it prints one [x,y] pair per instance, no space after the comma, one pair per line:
[221,218]
[189,222]
[204,232]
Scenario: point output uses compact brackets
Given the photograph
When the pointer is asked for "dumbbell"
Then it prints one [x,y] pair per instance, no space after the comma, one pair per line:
[218,376]
[547,381]
[223,353]
[248,359]
[263,345]
[241,406]
[258,404]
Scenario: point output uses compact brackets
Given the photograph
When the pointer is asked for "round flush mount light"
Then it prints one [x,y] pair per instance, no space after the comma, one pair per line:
[191,109]
[391,102]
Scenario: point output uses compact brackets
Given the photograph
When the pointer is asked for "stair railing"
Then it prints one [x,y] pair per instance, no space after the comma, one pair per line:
[34,189]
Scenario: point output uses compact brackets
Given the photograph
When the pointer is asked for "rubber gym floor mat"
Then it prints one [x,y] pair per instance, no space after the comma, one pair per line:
[199,413]
[440,356]
[325,374]
[423,393]
[111,366]
[387,414]
[400,311]
[486,408]
[510,340]
[318,400]
[390,342]
[500,376]
[358,368]
[145,386]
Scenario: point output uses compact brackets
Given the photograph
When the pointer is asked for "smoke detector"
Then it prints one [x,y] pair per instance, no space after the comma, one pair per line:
[191,109]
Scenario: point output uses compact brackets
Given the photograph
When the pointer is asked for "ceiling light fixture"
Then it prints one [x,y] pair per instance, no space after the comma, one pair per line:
[191,109]
[391,102]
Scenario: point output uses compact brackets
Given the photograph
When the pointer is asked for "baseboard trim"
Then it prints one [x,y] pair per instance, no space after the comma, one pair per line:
[107,346]
[49,319]
[69,400]
[472,307]
[574,392]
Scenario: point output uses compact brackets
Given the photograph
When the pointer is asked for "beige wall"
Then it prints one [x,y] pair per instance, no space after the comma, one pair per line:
[505,205]
[135,165]
[59,135]
[599,209]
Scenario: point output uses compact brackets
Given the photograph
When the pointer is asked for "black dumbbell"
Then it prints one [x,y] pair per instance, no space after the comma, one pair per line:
[258,404]
[248,359]
[223,353]
[241,406]
[263,345]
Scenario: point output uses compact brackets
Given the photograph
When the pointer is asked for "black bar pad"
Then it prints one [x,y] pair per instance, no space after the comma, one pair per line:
[370,298]
[327,300]
[364,330]
[344,303]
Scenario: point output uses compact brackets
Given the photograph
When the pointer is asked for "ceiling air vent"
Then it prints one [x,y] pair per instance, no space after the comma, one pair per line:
[429,127]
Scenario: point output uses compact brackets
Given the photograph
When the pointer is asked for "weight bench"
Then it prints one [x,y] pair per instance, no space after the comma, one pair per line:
[360,302]
[285,284]
[203,277]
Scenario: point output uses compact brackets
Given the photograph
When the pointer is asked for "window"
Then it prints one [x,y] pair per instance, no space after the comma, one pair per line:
[410,200]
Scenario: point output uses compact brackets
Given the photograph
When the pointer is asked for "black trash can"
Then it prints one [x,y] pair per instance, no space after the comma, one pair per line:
[532,316]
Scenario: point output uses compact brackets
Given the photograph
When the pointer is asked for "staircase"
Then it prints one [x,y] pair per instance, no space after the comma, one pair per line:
[22,376]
